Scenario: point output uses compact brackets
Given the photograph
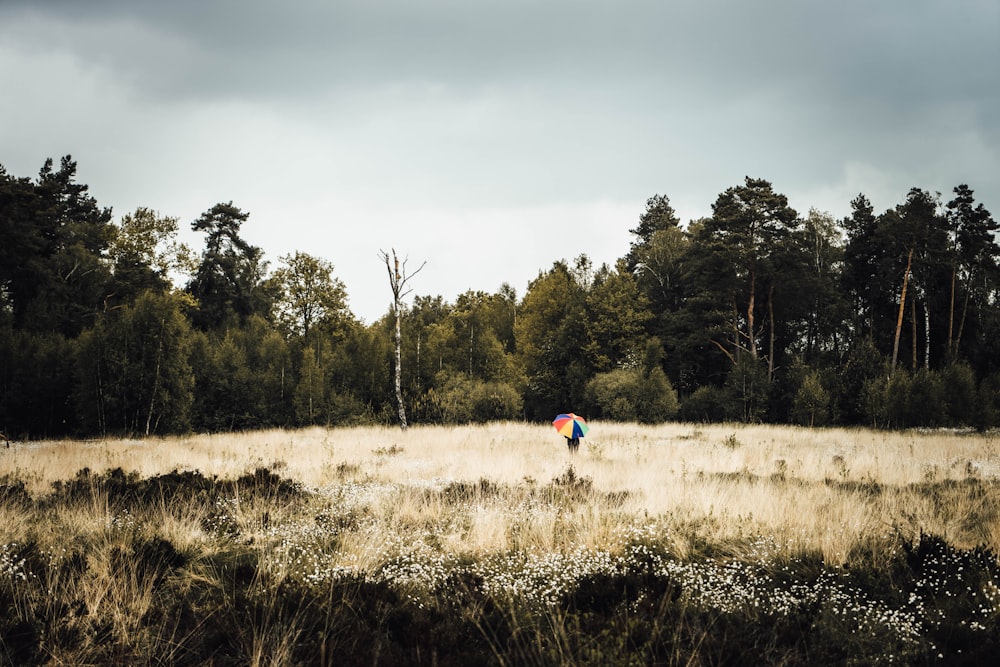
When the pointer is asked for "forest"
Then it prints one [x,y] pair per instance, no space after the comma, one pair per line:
[755,314]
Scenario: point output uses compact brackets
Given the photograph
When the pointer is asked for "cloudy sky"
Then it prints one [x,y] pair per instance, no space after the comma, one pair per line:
[491,138]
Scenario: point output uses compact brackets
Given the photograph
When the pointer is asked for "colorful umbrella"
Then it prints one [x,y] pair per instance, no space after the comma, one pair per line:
[570,425]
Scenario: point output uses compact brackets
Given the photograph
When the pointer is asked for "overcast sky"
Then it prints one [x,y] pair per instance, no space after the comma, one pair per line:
[492,138]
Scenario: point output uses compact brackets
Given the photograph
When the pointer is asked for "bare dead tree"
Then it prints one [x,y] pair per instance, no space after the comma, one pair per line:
[398,277]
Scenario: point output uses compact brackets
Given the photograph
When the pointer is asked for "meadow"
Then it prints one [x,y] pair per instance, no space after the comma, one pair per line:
[669,544]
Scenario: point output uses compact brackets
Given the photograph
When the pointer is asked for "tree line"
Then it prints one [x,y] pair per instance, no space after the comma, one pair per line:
[755,313]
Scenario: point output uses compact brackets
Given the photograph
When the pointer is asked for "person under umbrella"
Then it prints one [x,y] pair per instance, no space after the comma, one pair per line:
[572,427]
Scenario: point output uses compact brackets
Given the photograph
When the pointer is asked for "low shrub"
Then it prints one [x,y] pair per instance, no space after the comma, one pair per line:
[127,593]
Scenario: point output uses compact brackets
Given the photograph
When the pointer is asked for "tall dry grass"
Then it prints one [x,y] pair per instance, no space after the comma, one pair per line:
[499,528]
[824,490]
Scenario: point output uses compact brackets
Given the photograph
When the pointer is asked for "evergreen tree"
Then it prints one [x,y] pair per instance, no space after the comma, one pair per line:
[860,280]
[916,242]
[736,284]
[659,216]
[229,281]
[974,267]
[53,250]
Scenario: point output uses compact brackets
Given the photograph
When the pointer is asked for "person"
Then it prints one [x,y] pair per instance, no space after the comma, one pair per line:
[572,443]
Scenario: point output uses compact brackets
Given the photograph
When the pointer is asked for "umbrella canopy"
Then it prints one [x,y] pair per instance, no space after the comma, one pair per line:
[570,425]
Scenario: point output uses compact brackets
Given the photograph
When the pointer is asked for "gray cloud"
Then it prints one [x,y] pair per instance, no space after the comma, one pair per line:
[459,110]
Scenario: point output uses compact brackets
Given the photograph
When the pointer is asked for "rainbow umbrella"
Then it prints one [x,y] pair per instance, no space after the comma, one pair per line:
[570,425]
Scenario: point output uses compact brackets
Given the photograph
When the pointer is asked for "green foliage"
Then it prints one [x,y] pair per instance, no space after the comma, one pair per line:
[860,278]
[53,243]
[958,385]
[614,394]
[36,383]
[133,370]
[143,253]
[863,364]
[816,309]
[743,245]
[228,283]
[988,403]
[310,393]
[975,257]
[242,379]
[617,314]
[308,295]
[465,339]
[496,401]
[657,400]
[460,399]
[551,335]
[875,401]
[317,398]
[658,216]
[811,406]
[926,403]
[928,399]
[739,304]
[633,395]
[708,404]
[363,368]
[748,386]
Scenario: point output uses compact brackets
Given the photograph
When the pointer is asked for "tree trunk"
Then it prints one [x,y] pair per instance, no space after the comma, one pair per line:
[902,307]
[397,281]
[913,323]
[399,359]
[770,351]
[750,322]
[156,377]
[961,322]
[737,346]
[951,312]
[101,414]
[927,335]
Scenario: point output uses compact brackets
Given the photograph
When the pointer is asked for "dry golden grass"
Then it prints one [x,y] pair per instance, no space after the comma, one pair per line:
[826,490]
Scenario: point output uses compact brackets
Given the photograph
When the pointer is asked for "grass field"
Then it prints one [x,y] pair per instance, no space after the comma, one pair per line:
[671,544]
